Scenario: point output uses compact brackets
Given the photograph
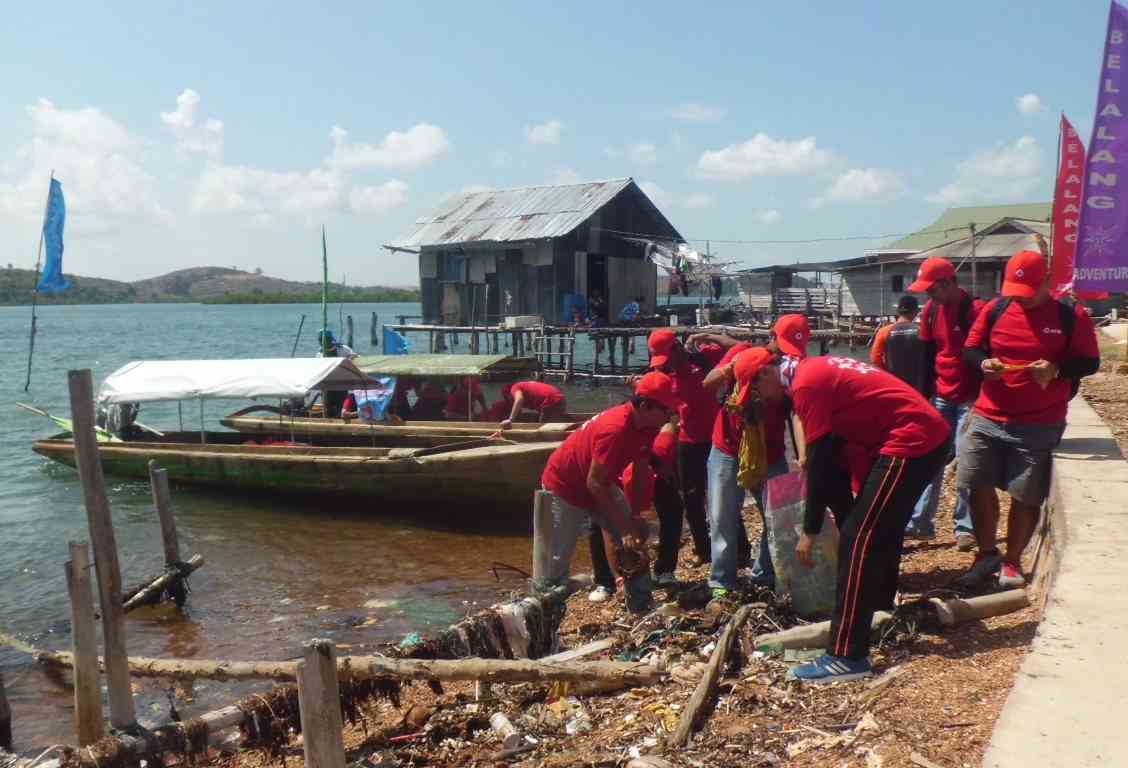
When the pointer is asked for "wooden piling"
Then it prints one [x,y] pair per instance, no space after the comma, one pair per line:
[348,330]
[542,536]
[571,363]
[101,525]
[626,353]
[319,702]
[431,342]
[162,500]
[374,331]
[84,646]
[612,343]
[5,719]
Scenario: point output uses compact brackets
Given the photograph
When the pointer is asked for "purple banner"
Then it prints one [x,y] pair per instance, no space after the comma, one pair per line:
[1102,248]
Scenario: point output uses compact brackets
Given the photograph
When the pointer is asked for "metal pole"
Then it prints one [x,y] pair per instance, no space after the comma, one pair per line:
[298,337]
[203,433]
[974,269]
[35,286]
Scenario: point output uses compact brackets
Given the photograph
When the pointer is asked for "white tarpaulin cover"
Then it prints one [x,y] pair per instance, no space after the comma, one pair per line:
[147,380]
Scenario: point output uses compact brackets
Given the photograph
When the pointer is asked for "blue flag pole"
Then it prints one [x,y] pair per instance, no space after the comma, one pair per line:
[35,290]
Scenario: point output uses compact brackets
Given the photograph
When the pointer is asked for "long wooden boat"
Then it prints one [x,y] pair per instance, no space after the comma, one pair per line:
[465,473]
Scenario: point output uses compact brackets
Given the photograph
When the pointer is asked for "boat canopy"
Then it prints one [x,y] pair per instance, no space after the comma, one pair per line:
[485,367]
[149,380]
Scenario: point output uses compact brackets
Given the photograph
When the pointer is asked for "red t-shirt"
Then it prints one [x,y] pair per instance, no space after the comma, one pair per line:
[538,395]
[866,406]
[699,406]
[663,451]
[499,411]
[610,438]
[775,426]
[1022,336]
[727,425]
[952,380]
[458,401]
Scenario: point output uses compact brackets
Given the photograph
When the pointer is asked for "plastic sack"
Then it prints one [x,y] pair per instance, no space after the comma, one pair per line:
[372,403]
[811,589]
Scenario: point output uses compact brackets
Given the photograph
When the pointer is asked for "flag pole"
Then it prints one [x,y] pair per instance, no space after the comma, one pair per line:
[324,295]
[1053,197]
[35,286]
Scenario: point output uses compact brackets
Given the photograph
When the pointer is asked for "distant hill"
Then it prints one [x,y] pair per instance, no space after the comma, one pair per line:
[218,285]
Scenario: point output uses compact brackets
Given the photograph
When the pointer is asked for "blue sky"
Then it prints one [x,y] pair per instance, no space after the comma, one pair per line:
[228,133]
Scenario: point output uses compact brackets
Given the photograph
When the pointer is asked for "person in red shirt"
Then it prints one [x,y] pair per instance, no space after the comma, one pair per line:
[1031,348]
[790,336]
[696,414]
[545,399]
[465,395]
[944,325]
[430,399]
[840,399]
[581,477]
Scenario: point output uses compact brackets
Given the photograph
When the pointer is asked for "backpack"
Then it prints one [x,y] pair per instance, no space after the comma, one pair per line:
[1067,319]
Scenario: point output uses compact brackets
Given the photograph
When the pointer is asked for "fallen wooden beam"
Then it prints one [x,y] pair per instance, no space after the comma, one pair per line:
[152,592]
[707,685]
[486,670]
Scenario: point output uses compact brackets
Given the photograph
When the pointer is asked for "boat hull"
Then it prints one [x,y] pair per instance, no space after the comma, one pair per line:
[416,434]
[497,476]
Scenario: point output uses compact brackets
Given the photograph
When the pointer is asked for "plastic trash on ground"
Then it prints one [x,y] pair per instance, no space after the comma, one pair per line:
[811,589]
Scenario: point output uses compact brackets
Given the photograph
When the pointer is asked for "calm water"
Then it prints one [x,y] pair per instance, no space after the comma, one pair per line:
[278,572]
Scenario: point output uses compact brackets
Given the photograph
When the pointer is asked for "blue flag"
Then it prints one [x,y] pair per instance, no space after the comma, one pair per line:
[52,280]
[395,343]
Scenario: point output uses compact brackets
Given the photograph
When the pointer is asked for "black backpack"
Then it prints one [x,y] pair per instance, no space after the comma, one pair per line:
[965,315]
[1067,318]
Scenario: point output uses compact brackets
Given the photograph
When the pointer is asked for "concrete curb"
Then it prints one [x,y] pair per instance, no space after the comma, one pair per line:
[1068,702]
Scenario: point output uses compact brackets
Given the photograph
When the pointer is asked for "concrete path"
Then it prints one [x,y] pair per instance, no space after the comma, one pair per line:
[1069,705]
[1118,331]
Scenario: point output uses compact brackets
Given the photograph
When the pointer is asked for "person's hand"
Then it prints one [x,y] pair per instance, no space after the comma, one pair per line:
[636,534]
[694,339]
[992,368]
[1043,372]
[804,550]
[506,423]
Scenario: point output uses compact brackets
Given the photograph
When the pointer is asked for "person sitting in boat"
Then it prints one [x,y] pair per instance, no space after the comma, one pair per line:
[430,399]
[465,395]
[546,400]
[581,479]
[328,346]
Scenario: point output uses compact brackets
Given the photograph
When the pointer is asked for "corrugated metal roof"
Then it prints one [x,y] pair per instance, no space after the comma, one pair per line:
[507,215]
[488,367]
[957,219]
[987,248]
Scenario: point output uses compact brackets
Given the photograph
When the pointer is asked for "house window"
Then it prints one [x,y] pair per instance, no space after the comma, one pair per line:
[898,283]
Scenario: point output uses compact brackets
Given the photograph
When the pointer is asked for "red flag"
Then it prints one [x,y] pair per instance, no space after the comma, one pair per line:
[1067,212]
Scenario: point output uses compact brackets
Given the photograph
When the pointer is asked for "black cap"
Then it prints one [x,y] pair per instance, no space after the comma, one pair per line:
[908,305]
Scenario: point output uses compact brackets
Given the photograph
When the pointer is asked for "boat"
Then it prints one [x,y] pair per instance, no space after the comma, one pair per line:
[495,472]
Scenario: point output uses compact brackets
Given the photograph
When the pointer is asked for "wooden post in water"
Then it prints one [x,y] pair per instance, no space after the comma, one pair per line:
[349,330]
[5,719]
[319,702]
[626,353]
[84,645]
[542,537]
[101,524]
[571,364]
[612,343]
[162,500]
[431,342]
[373,331]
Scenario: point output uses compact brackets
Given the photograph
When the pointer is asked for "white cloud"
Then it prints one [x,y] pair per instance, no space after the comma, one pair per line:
[100,164]
[699,200]
[564,175]
[380,199]
[659,196]
[862,184]
[240,188]
[1004,173]
[544,133]
[414,148]
[643,153]
[664,199]
[697,113]
[762,156]
[190,137]
[1029,104]
[769,216]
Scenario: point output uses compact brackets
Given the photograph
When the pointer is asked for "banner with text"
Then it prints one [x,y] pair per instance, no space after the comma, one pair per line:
[1067,209]
[1102,244]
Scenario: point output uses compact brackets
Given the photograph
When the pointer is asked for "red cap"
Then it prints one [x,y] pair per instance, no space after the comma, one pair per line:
[746,366]
[792,334]
[1026,271]
[934,268]
[658,387]
[661,343]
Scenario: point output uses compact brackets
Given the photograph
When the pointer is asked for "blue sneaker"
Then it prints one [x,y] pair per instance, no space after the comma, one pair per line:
[830,669]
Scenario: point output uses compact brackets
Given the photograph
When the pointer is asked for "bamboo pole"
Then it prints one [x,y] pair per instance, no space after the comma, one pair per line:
[297,338]
[158,585]
[105,548]
[35,286]
[319,701]
[84,645]
[162,500]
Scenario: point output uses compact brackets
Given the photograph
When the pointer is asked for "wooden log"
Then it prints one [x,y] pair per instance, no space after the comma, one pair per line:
[162,500]
[487,670]
[349,331]
[707,686]
[542,537]
[374,331]
[809,635]
[5,718]
[583,651]
[319,700]
[151,592]
[84,647]
[101,525]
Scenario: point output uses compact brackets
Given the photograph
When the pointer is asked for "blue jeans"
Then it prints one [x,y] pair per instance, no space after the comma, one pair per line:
[763,570]
[726,522]
[925,510]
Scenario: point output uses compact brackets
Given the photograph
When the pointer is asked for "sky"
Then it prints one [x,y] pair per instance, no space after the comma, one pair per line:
[193,134]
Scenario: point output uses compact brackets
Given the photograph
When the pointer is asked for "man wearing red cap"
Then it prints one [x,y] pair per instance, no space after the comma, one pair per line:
[582,475]
[840,399]
[696,414]
[1032,350]
[944,325]
[545,399]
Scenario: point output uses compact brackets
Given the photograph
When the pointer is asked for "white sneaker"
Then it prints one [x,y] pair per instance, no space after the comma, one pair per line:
[600,594]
